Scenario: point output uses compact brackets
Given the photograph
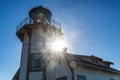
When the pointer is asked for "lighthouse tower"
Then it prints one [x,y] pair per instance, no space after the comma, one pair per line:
[37,33]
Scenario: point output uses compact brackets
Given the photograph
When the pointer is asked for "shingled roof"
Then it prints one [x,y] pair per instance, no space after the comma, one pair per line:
[92,61]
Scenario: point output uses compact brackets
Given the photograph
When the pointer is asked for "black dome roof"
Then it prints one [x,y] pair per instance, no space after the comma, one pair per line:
[40,9]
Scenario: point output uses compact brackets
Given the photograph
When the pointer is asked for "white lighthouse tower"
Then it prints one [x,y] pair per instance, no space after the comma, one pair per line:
[38,60]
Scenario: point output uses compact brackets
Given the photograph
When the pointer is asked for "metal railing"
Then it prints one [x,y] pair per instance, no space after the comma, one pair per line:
[27,20]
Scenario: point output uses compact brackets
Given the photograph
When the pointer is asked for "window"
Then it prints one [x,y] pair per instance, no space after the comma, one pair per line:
[81,77]
[62,78]
[35,62]
[111,79]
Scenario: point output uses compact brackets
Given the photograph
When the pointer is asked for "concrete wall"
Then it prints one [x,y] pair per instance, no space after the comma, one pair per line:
[37,41]
[95,74]
[42,37]
[23,66]
[35,76]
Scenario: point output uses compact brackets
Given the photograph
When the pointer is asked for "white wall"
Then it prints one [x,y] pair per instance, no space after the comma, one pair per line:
[94,74]
[23,66]
[41,38]
[56,70]
[37,41]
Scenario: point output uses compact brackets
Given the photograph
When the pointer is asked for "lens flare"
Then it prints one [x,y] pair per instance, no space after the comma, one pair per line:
[58,45]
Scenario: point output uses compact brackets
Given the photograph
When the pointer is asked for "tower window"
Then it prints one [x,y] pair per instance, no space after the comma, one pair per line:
[35,62]
[81,77]
[62,78]
[111,79]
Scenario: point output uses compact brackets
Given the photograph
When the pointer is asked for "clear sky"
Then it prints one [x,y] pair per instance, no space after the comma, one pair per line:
[91,27]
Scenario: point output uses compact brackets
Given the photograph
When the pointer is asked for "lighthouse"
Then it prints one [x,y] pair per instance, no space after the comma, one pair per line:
[40,58]
[44,56]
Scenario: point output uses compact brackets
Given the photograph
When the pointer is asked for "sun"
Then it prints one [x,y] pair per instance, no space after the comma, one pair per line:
[58,45]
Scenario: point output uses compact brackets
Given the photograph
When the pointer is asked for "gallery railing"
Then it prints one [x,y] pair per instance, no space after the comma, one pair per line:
[27,20]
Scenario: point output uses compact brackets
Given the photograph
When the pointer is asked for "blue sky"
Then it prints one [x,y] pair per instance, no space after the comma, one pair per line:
[91,27]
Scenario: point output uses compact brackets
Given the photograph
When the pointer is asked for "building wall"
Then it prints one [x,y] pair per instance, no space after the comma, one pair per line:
[37,41]
[36,76]
[57,70]
[23,65]
[95,74]
[42,38]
